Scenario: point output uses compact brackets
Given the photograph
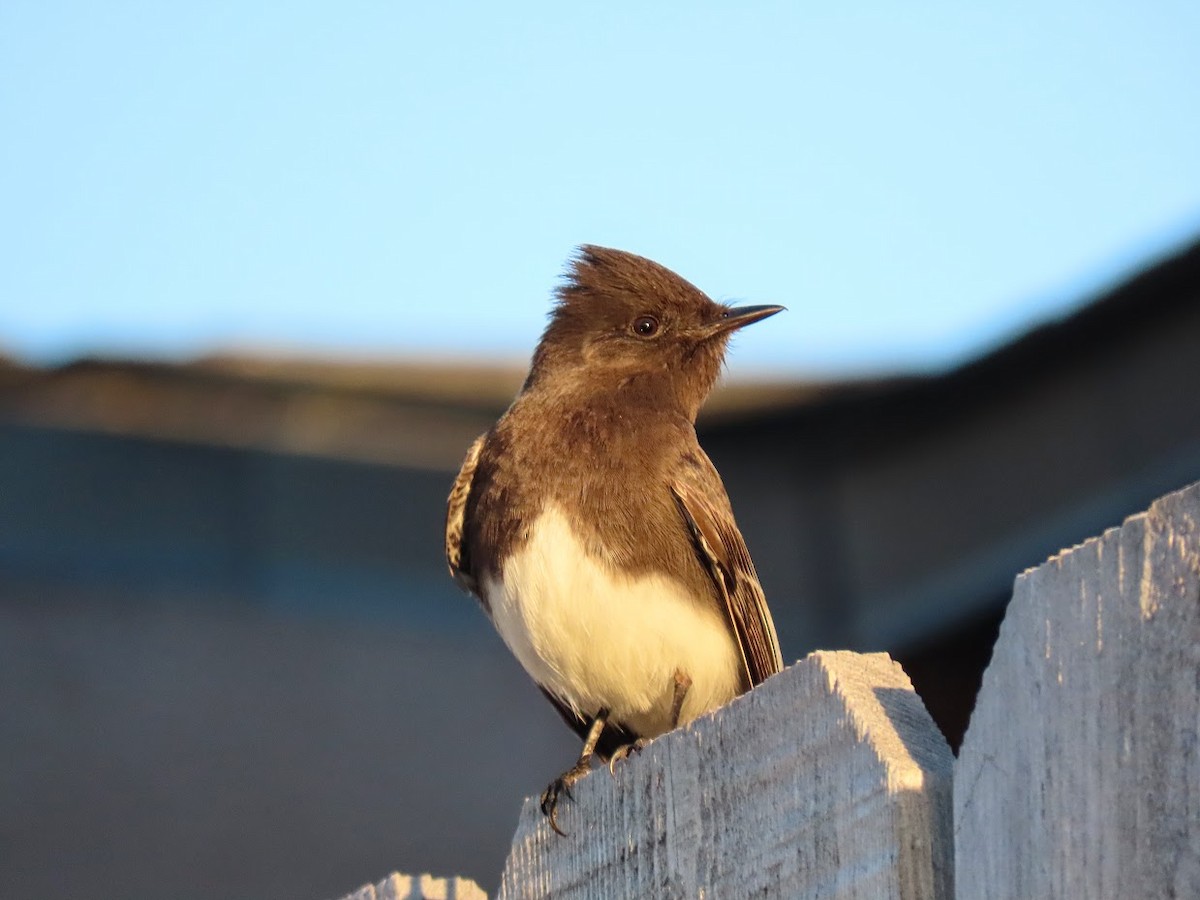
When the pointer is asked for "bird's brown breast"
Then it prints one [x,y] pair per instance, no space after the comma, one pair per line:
[606,467]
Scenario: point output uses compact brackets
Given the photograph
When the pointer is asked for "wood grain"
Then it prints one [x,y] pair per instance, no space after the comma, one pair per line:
[1080,773]
[829,780]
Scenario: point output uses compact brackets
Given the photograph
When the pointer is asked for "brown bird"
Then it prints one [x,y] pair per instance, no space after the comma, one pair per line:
[595,532]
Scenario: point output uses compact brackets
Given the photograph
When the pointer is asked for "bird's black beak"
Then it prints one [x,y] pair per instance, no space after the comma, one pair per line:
[736,317]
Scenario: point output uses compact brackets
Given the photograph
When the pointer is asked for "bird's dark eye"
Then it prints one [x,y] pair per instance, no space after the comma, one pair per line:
[645,326]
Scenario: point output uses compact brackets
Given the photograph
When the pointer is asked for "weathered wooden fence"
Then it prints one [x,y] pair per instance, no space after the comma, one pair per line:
[1079,776]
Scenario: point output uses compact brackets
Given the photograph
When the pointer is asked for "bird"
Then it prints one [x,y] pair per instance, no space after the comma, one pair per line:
[595,532]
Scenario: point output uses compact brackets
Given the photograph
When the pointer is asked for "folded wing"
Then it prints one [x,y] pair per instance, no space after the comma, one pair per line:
[705,508]
[456,510]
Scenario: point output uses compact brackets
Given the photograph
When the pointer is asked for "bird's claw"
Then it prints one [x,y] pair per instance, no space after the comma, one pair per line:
[624,752]
[549,803]
[556,789]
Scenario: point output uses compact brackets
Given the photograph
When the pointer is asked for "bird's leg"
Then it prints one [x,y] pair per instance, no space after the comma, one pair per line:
[683,682]
[562,784]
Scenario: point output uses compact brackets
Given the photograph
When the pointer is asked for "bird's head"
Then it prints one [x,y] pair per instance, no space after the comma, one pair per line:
[623,321]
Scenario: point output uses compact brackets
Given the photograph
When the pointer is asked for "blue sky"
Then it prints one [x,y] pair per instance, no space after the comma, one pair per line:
[392,179]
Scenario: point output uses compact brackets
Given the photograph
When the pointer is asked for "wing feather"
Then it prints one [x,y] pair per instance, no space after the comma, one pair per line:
[457,557]
[704,506]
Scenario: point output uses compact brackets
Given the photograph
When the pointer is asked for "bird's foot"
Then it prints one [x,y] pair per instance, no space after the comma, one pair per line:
[624,752]
[560,786]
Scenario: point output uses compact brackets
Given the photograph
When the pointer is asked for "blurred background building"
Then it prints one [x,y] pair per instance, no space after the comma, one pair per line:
[231,660]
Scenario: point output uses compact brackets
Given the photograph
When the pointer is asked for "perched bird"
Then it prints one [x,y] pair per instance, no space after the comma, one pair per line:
[595,532]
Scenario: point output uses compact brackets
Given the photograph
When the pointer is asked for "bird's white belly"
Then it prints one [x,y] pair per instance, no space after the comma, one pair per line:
[599,639]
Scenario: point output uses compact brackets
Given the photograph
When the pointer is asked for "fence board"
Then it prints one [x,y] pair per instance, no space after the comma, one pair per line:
[419,887]
[829,780]
[1080,773]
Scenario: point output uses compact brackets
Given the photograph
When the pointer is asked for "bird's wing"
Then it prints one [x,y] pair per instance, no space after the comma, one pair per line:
[702,502]
[456,510]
